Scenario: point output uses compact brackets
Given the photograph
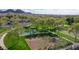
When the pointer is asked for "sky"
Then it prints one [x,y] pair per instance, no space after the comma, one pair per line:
[54,11]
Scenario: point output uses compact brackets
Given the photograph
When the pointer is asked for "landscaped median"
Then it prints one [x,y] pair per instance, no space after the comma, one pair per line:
[15,42]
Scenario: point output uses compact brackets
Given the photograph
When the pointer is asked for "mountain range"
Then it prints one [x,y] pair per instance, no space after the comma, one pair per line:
[14,11]
[42,11]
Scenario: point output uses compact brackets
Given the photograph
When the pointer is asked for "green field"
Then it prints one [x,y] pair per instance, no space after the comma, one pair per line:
[14,42]
[2,29]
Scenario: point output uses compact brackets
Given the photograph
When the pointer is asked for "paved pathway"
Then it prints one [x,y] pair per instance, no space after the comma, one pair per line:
[1,41]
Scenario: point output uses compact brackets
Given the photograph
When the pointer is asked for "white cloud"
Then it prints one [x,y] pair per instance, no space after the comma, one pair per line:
[55,11]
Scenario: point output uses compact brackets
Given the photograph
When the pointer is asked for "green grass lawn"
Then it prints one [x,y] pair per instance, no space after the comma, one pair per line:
[62,34]
[14,42]
[3,29]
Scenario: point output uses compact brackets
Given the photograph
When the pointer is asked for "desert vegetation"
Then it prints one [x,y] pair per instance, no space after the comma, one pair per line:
[39,32]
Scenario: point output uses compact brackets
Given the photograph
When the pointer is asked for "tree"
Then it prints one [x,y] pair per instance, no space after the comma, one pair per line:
[75,30]
[70,21]
[59,24]
[76,19]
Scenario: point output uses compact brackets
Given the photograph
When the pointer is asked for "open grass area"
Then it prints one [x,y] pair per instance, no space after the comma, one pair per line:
[3,29]
[14,42]
[61,34]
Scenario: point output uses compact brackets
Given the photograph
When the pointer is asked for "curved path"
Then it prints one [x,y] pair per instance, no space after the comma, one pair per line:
[2,39]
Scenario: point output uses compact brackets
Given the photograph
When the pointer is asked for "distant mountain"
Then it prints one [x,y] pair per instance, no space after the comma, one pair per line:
[14,11]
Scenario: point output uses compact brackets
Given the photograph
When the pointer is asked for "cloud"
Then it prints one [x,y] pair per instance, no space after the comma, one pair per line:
[55,11]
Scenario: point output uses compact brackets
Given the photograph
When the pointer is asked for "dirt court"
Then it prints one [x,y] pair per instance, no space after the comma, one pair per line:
[39,43]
